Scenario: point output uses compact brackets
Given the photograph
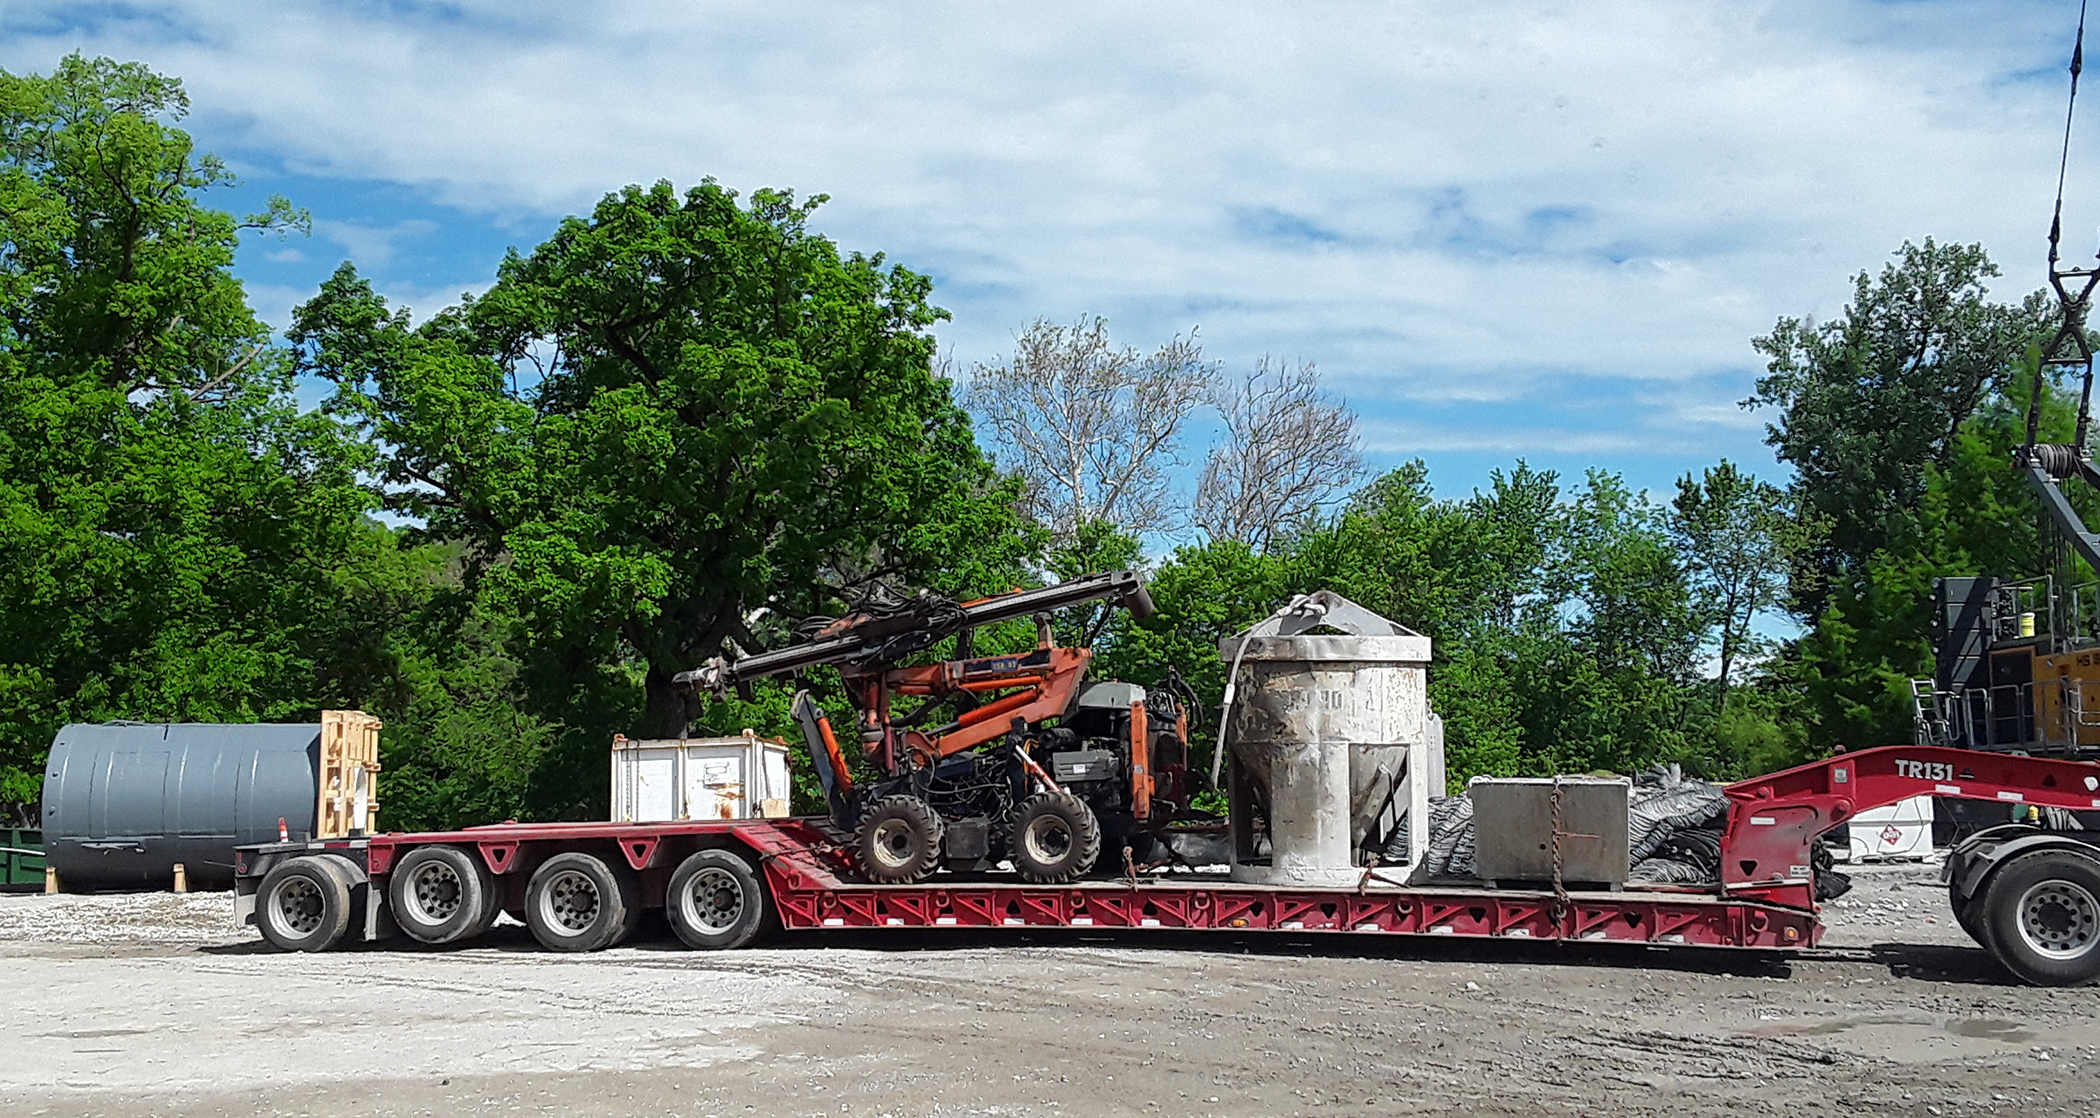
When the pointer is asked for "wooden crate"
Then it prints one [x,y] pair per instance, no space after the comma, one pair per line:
[349,774]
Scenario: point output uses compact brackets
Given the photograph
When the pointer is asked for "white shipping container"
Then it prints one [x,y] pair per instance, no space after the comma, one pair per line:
[656,781]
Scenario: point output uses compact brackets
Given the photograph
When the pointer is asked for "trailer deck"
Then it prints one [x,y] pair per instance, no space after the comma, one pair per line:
[809,892]
[797,874]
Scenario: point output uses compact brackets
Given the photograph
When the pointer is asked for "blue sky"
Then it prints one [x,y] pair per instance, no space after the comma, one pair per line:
[1537,230]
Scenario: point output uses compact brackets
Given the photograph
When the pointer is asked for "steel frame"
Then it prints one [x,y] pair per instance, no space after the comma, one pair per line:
[802,869]
[1774,820]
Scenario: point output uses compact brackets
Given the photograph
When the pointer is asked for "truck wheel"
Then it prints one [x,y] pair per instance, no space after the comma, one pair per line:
[715,901]
[304,904]
[1055,838]
[575,902]
[441,894]
[1968,912]
[2043,917]
[900,840]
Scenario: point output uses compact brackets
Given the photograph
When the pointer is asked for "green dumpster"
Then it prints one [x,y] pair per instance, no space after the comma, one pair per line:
[21,859]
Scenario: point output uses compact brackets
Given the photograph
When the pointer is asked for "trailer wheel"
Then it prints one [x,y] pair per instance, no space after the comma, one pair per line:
[900,840]
[1968,912]
[1055,838]
[2042,912]
[715,902]
[441,894]
[575,902]
[304,904]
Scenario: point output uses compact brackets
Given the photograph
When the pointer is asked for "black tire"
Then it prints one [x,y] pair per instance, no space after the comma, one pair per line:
[441,894]
[2042,911]
[304,903]
[1968,912]
[900,840]
[716,902]
[576,902]
[630,925]
[1055,838]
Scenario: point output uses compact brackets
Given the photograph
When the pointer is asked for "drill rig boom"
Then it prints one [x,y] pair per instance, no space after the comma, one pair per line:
[863,638]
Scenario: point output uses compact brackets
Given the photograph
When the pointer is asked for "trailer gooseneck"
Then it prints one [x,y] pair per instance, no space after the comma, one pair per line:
[2029,895]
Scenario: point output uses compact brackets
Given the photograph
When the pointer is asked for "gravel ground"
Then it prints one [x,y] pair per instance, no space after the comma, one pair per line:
[1902,902]
[158,1005]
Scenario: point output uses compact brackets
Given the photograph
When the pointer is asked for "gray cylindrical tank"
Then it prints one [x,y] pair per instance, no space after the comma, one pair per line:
[1330,739]
[124,802]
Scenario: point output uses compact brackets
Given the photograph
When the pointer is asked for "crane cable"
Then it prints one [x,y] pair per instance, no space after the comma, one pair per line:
[2061,461]
[2063,165]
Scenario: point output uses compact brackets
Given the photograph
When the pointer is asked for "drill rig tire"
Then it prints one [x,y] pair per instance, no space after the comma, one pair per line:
[900,840]
[1055,838]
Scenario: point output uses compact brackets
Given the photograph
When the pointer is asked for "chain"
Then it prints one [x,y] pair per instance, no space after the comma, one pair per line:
[1560,890]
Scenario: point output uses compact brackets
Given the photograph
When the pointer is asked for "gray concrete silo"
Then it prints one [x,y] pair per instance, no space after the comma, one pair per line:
[1331,740]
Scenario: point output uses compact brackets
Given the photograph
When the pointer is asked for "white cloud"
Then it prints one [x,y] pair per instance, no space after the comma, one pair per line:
[1434,202]
[273,302]
[370,244]
[1404,439]
[423,300]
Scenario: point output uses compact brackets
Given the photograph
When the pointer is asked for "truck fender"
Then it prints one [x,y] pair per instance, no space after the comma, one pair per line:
[355,867]
[1970,864]
[370,919]
[245,884]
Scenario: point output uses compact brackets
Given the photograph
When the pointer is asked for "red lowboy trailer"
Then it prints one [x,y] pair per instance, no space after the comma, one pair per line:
[2028,894]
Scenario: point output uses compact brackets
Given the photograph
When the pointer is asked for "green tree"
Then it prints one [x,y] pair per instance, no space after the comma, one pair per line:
[1975,516]
[1612,685]
[175,528]
[1563,630]
[1867,402]
[1901,419]
[679,423]
[1737,542]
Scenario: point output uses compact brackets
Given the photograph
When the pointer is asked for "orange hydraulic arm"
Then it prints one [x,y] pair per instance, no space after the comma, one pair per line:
[833,773]
[1036,685]
[1140,761]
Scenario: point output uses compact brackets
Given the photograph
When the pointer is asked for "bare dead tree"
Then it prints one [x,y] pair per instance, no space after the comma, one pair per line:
[1090,426]
[1288,451]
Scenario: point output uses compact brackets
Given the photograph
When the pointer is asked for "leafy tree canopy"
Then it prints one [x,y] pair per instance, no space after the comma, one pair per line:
[173,525]
[1870,400]
[669,426]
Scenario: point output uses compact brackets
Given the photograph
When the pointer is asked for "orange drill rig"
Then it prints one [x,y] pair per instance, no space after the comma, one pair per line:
[1014,755]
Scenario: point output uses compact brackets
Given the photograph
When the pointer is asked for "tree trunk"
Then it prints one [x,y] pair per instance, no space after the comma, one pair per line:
[665,711]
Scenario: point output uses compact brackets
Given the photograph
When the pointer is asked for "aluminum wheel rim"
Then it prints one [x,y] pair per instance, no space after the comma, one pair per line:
[1048,838]
[895,843]
[713,900]
[570,902]
[435,892]
[295,907]
[2059,919]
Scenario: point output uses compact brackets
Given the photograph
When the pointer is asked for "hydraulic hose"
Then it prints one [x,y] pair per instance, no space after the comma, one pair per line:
[1302,605]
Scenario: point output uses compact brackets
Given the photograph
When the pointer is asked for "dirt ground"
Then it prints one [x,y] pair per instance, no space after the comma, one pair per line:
[158,1005]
